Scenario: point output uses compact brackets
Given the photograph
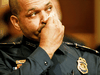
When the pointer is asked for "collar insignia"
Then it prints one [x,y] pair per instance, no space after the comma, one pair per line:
[30,44]
[82,65]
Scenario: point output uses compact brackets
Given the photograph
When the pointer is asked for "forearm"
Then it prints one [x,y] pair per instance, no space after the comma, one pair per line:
[36,64]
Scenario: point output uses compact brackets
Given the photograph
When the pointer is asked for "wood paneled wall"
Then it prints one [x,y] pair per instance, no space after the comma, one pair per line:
[78,18]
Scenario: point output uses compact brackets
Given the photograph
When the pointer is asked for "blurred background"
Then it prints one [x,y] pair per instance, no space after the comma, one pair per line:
[80,17]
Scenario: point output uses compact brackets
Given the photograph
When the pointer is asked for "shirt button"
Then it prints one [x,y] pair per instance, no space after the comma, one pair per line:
[46,63]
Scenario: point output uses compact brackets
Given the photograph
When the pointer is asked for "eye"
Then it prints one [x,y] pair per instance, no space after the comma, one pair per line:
[34,14]
[49,8]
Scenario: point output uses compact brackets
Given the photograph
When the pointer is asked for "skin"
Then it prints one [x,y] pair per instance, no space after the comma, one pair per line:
[35,24]
[58,8]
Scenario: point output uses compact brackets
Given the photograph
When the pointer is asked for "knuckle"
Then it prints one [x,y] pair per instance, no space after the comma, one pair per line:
[61,31]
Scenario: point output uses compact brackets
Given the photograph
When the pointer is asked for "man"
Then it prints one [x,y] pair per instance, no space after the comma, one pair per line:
[42,50]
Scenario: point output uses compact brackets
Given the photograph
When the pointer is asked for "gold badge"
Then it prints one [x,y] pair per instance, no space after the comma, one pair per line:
[82,65]
[19,63]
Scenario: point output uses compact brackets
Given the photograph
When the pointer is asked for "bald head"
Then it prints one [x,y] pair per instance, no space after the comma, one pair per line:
[14,7]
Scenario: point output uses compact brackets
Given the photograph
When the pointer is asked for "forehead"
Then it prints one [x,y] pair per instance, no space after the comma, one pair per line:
[32,3]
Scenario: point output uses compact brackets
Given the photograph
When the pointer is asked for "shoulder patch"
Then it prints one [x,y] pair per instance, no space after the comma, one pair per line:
[9,45]
[82,47]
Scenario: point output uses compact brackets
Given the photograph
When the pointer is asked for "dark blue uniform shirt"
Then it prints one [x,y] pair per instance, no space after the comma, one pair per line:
[33,60]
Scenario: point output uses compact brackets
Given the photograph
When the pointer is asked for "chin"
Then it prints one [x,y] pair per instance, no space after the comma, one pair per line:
[35,39]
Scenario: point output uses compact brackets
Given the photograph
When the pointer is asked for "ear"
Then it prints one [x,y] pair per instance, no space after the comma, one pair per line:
[14,20]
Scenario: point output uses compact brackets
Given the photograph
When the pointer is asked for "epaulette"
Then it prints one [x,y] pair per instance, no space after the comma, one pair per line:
[81,47]
[9,45]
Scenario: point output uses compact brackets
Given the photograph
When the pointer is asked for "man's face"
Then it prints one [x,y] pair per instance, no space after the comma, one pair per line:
[33,15]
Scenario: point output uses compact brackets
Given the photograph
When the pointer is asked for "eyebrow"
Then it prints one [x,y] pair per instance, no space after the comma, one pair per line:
[48,3]
[34,8]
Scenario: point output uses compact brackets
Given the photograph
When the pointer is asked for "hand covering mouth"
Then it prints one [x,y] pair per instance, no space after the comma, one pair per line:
[42,26]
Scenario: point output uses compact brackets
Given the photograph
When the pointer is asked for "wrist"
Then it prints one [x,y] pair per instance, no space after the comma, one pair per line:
[49,51]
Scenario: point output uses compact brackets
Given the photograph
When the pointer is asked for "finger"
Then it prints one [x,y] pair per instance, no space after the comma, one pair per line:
[57,21]
[50,21]
[51,18]
[63,27]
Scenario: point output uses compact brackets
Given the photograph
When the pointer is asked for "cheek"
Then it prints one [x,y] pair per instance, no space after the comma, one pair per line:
[30,24]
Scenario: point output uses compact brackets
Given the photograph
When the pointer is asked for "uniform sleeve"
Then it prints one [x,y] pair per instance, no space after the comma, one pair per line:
[36,64]
[98,68]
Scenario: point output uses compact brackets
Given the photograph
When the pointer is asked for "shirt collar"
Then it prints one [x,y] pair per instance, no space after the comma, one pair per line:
[61,49]
[29,43]
[34,44]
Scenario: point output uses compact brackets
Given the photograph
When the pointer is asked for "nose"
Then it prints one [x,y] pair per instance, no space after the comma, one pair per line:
[44,16]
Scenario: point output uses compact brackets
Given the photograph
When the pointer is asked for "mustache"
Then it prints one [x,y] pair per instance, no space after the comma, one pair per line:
[42,26]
